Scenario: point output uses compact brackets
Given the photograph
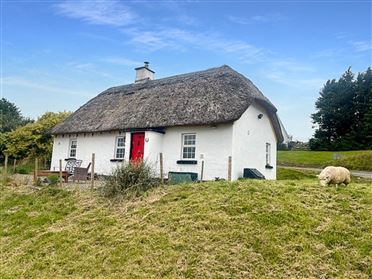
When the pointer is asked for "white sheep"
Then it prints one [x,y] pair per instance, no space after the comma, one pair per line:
[334,175]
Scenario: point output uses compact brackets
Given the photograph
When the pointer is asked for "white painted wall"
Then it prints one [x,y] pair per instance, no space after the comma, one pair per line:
[250,136]
[213,142]
[103,145]
[153,147]
[245,141]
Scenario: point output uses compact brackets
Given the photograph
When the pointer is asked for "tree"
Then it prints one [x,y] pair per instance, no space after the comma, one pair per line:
[363,109]
[10,116]
[344,112]
[34,139]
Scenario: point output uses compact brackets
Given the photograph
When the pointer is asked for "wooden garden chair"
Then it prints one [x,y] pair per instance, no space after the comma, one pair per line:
[80,173]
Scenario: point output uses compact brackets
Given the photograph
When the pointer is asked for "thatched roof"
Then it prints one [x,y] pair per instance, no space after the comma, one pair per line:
[214,96]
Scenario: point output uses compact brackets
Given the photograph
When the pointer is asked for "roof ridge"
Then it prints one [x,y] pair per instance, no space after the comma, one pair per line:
[154,81]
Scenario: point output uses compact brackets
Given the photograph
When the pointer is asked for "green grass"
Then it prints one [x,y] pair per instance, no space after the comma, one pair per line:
[245,229]
[355,160]
[290,174]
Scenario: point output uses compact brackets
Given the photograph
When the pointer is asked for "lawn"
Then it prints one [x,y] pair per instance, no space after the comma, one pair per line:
[245,229]
[355,160]
[290,174]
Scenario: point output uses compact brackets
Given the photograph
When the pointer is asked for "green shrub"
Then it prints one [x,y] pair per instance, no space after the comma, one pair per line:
[53,179]
[131,179]
[23,170]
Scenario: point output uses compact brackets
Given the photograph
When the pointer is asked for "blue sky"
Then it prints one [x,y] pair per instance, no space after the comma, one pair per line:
[56,55]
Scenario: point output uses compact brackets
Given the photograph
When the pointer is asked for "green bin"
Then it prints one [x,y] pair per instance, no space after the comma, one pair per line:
[182,177]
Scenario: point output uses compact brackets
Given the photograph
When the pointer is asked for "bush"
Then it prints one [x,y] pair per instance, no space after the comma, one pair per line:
[53,179]
[23,169]
[131,179]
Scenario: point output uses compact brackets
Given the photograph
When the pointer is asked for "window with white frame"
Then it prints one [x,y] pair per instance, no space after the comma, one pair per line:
[188,146]
[120,148]
[268,154]
[73,146]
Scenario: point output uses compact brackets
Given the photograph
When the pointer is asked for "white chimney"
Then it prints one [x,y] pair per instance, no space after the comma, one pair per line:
[144,73]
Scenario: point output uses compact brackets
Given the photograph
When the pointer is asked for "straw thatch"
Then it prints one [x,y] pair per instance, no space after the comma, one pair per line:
[218,95]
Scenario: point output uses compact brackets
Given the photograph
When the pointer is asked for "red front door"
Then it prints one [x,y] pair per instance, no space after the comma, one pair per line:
[137,146]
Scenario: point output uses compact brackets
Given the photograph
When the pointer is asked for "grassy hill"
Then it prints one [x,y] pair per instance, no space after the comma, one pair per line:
[355,160]
[246,229]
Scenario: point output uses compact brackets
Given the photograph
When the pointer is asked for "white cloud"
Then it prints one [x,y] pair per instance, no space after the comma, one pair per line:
[181,39]
[81,66]
[121,61]
[349,49]
[328,53]
[103,13]
[154,38]
[290,65]
[342,35]
[360,46]
[296,82]
[41,87]
[182,19]
[151,38]
[257,19]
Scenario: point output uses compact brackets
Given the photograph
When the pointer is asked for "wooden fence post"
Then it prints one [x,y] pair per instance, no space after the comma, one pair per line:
[161,168]
[229,169]
[60,172]
[202,171]
[14,165]
[5,168]
[92,172]
[35,170]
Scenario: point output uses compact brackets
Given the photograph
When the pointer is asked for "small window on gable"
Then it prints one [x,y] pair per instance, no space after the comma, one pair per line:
[268,154]
[73,147]
[188,146]
[120,148]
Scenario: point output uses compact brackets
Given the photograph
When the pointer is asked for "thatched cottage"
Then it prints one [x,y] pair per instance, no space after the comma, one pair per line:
[216,118]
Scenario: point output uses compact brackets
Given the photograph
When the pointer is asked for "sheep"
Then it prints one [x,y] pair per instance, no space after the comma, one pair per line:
[334,175]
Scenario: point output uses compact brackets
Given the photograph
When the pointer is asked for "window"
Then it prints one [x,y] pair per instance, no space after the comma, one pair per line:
[73,146]
[188,146]
[120,148]
[268,154]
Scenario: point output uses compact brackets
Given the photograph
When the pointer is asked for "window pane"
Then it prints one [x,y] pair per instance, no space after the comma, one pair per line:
[120,153]
[73,153]
[73,144]
[189,139]
[188,153]
[121,142]
[268,153]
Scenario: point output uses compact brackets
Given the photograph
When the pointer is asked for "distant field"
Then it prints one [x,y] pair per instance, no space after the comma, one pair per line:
[290,174]
[244,229]
[356,160]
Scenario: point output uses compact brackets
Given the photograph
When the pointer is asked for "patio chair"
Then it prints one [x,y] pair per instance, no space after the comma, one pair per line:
[80,173]
[72,164]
